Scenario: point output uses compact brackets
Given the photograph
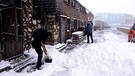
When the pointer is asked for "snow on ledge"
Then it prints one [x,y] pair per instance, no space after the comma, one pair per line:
[78,32]
[60,46]
[4,64]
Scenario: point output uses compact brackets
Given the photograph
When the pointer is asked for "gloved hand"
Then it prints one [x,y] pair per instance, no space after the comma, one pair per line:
[45,52]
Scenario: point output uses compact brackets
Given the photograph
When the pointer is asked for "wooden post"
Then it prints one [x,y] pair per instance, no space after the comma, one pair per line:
[0,27]
[0,30]
[16,24]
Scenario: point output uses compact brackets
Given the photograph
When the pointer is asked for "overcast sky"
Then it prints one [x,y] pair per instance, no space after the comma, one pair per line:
[114,6]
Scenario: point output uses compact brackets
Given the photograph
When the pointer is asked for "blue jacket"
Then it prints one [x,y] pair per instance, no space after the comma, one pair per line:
[89,28]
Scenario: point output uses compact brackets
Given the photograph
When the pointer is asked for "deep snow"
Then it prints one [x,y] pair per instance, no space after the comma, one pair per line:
[109,55]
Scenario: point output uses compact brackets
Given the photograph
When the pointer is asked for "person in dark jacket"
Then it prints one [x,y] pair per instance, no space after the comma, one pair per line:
[88,31]
[40,36]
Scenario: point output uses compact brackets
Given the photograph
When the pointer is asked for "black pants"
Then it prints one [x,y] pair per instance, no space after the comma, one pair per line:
[89,35]
[40,55]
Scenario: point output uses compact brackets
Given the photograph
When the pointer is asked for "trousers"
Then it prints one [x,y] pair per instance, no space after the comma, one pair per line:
[91,36]
[39,51]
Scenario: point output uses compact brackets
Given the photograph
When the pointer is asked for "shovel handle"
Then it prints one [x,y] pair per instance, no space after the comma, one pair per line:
[45,51]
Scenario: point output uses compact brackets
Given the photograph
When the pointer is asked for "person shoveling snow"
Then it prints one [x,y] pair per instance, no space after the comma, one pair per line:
[40,36]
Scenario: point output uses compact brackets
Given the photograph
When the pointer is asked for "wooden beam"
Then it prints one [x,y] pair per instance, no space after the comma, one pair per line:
[16,24]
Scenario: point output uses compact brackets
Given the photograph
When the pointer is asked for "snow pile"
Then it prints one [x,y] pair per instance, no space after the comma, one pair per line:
[110,55]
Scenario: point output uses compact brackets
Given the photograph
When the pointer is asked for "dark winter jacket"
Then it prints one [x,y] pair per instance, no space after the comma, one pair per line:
[89,28]
[39,35]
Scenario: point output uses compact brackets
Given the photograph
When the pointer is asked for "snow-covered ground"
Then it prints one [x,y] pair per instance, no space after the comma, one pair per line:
[110,55]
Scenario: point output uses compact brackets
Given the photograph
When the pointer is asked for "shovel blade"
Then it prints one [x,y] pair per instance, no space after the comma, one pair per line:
[48,60]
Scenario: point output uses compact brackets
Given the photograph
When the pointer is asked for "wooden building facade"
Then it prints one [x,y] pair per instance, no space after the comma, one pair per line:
[11,29]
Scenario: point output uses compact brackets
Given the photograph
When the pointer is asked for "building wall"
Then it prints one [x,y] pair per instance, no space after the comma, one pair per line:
[56,16]
[64,16]
[74,12]
[74,15]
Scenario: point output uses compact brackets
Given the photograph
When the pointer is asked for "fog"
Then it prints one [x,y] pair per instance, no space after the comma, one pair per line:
[110,6]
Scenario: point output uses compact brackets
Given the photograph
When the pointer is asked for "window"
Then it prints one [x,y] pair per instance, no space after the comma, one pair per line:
[81,9]
[67,2]
[73,4]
